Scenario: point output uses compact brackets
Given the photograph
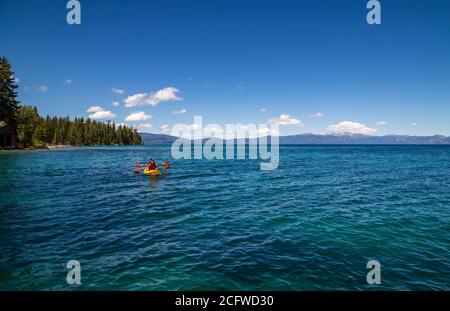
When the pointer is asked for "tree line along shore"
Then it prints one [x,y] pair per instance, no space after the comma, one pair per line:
[21,127]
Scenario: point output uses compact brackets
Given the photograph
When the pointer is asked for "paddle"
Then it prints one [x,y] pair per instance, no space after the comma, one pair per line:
[138,166]
[166,166]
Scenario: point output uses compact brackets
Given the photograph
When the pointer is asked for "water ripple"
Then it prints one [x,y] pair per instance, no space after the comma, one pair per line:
[310,225]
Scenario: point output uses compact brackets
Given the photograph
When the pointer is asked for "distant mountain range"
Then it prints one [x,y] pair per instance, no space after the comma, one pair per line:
[341,139]
[157,138]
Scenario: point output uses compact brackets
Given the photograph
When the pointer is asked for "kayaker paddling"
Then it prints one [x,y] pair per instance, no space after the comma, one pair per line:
[151,165]
[151,168]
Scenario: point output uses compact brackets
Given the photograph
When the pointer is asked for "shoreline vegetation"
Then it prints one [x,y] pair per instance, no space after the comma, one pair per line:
[55,132]
[22,128]
[51,147]
[36,132]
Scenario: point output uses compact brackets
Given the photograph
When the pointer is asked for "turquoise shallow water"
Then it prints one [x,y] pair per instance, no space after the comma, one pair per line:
[225,225]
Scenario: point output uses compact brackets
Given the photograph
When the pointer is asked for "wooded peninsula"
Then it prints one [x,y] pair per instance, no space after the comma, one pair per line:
[23,127]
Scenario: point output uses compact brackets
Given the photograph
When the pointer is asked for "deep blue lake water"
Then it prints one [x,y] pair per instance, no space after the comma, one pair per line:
[313,224]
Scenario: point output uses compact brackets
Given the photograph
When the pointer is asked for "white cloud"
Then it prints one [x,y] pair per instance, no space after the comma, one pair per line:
[138,116]
[316,115]
[181,111]
[165,128]
[351,128]
[381,123]
[152,99]
[143,127]
[94,109]
[263,109]
[117,91]
[42,88]
[102,115]
[135,100]
[285,119]
[414,124]
[115,104]
[166,94]
[67,82]
[16,80]
[266,132]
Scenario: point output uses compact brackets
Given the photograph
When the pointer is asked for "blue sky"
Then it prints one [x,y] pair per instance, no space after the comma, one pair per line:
[229,59]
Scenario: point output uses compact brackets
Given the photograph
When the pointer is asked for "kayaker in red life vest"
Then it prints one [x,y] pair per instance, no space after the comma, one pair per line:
[151,165]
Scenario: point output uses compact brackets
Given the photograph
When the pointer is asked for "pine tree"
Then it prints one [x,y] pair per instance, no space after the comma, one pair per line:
[35,130]
[28,121]
[8,95]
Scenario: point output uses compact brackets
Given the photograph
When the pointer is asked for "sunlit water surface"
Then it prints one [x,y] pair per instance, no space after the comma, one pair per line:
[313,224]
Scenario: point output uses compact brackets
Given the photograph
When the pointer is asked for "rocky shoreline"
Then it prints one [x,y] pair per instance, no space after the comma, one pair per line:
[46,147]
[52,147]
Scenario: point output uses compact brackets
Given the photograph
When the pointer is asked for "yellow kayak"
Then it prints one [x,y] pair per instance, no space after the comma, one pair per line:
[152,172]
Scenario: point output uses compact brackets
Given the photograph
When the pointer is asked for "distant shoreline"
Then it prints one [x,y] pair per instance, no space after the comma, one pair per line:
[51,147]
[316,139]
[54,147]
[48,147]
[59,147]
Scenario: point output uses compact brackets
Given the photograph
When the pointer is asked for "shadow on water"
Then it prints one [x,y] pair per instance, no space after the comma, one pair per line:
[155,180]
